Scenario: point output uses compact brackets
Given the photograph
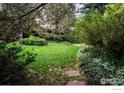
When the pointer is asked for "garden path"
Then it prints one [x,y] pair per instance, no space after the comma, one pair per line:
[76,76]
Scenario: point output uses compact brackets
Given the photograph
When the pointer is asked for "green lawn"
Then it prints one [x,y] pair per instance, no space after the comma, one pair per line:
[54,55]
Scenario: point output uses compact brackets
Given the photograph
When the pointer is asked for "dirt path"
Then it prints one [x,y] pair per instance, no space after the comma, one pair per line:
[75,76]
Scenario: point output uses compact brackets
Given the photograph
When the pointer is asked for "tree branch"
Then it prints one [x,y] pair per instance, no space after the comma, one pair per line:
[19,17]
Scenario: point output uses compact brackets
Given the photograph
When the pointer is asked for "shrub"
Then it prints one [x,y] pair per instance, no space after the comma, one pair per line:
[57,37]
[106,29]
[74,36]
[53,36]
[91,26]
[114,34]
[32,40]
[9,56]
[99,67]
[26,57]
[12,49]
[14,53]
[96,64]
[13,70]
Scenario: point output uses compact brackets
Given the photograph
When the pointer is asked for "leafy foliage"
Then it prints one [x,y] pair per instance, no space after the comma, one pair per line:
[96,64]
[91,26]
[74,36]
[106,29]
[13,69]
[17,20]
[114,34]
[32,40]
[59,18]
[99,67]
[93,6]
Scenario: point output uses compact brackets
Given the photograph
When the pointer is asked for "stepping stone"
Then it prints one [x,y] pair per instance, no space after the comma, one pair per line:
[76,82]
[73,73]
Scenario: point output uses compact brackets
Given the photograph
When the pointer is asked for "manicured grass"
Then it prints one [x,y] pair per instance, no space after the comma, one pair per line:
[53,55]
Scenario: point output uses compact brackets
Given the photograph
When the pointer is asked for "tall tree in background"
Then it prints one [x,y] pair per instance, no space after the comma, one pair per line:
[93,6]
[16,19]
[62,16]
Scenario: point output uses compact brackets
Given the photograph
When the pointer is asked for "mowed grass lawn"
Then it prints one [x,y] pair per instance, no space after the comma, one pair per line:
[53,55]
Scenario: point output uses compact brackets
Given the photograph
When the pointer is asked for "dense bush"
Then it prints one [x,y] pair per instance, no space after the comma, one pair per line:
[91,26]
[48,34]
[74,36]
[52,36]
[32,40]
[11,51]
[106,29]
[96,64]
[9,56]
[56,37]
[13,69]
[99,67]
[114,34]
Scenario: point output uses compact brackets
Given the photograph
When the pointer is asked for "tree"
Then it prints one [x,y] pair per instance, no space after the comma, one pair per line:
[16,19]
[93,6]
[61,16]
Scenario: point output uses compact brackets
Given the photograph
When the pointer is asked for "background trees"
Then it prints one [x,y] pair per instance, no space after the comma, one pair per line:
[57,19]
[93,6]
[17,19]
